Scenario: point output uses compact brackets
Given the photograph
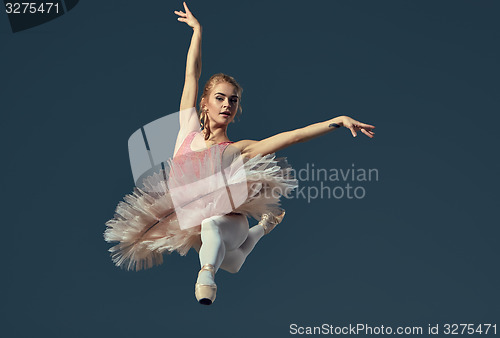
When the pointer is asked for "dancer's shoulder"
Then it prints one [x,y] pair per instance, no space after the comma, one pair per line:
[188,119]
[243,146]
[250,148]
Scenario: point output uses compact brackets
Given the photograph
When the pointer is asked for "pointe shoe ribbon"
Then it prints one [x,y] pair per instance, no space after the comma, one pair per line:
[269,221]
[205,293]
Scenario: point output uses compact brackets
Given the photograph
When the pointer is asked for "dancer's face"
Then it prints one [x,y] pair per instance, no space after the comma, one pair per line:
[222,104]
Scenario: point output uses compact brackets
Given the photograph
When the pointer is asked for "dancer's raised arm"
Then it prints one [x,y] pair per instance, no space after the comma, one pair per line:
[193,71]
[283,140]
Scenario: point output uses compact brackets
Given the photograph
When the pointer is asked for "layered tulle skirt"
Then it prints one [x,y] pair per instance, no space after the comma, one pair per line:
[164,213]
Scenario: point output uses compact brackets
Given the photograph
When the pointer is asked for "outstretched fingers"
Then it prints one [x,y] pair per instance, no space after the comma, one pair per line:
[182,16]
[187,14]
[365,129]
[366,126]
[368,133]
[187,17]
[186,8]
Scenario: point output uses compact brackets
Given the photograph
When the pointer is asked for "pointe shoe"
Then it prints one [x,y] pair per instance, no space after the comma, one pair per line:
[205,293]
[269,221]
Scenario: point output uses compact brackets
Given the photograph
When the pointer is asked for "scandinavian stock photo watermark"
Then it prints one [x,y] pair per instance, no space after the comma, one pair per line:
[331,183]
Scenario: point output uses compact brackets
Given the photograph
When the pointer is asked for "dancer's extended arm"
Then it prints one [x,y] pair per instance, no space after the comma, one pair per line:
[188,118]
[283,140]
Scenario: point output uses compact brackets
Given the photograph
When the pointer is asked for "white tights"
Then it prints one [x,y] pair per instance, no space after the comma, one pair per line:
[226,243]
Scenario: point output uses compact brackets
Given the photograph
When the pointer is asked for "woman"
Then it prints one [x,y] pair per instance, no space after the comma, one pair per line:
[150,224]
[226,240]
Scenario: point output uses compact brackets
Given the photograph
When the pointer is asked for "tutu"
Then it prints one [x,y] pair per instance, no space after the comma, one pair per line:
[165,213]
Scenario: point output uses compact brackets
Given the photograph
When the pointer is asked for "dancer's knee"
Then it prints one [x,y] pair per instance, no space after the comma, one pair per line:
[231,268]
[233,261]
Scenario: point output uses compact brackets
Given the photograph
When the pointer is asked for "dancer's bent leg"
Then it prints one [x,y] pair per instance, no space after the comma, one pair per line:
[218,234]
[234,259]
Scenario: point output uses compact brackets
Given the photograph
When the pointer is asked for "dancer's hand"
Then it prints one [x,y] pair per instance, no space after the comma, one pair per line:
[188,17]
[354,126]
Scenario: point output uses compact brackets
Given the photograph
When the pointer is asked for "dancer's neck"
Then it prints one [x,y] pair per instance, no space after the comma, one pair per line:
[217,136]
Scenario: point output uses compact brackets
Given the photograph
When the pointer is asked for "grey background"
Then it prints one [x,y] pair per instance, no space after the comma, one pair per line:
[421,247]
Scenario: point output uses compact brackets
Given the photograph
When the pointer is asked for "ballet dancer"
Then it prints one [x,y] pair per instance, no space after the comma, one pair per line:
[227,240]
[147,223]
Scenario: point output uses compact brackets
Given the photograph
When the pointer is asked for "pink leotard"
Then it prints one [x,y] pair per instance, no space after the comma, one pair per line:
[185,152]
[186,144]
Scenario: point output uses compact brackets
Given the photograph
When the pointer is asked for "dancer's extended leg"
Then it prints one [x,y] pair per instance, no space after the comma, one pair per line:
[220,234]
